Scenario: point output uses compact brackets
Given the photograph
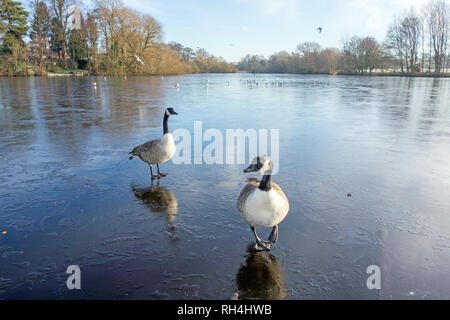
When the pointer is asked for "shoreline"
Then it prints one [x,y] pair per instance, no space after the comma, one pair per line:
[396,74]
[380,74]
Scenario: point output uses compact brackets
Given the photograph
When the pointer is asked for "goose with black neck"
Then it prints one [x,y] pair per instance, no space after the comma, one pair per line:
[262,203]
[157,151]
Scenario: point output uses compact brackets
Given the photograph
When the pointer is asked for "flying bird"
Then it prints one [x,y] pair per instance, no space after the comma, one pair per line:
[139,60]
[319,29]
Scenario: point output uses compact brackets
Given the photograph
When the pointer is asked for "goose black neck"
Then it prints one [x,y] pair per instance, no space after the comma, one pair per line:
[166,127]
[264,185]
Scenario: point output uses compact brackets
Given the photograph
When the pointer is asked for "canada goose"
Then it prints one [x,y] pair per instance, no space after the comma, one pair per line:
[157,151]
[262,203]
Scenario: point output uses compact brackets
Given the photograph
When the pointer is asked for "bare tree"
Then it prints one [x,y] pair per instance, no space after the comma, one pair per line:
[404,38]
[40,28]
[328,60]
[362,54]
[126,34]
[395,43]
[61,11]
[309,52]
[411,31]
[92,36]
[437,17]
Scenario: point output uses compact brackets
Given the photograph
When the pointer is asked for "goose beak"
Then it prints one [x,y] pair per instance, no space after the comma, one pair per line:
[174,112]
[251,168]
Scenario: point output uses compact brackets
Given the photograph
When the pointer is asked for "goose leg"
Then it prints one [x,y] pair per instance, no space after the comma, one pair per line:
[274,235]
[260,244]
[151,171]
[161,174]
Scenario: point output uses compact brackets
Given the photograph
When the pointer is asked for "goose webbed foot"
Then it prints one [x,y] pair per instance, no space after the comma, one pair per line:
[154,176]
[161,174]
[273,237]
[262,247]
[260,244]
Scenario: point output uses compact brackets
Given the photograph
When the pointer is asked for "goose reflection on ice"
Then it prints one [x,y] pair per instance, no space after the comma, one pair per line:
[159,199]
[260,277]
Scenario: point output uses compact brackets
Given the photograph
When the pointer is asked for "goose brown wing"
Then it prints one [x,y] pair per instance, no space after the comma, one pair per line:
[279,191]
[246,191]
[147,148]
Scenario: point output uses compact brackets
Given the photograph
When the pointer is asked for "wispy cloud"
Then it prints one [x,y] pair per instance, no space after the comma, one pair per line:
[275,8]
[142,6]
[418,4]
[374,10]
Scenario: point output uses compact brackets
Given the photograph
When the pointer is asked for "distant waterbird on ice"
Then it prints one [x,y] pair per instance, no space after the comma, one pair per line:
[157,151]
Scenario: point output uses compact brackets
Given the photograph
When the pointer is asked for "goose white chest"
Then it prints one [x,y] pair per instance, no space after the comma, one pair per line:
[167,148]
[264,208]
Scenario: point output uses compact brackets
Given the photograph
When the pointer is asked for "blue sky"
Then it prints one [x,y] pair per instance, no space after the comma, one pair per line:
[233,28]
[267,26]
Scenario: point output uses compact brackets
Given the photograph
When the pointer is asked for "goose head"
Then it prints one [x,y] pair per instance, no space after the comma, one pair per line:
[170,111]
[260,164]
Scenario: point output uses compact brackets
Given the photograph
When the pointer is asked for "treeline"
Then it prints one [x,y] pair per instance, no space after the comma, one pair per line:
[106,38]
[414,43]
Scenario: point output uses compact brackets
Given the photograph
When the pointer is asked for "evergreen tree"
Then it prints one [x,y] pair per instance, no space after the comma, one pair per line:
[13,26]
[14,20]
[40,28]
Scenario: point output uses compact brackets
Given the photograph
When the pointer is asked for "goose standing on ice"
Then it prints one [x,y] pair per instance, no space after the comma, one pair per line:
[157,151]
[262,203]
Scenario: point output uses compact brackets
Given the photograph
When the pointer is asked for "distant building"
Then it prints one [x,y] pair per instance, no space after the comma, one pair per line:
[75,18]
[34,51]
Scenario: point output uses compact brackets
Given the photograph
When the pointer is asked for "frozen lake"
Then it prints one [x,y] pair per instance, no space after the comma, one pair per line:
[69,195]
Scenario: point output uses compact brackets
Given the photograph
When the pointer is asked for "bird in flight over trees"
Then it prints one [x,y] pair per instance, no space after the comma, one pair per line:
[319,29]
[139,60]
